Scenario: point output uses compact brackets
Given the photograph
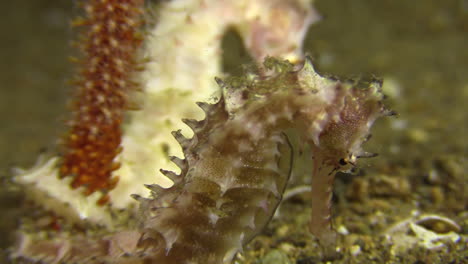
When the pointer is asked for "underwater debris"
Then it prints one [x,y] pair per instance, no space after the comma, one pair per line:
[432,232]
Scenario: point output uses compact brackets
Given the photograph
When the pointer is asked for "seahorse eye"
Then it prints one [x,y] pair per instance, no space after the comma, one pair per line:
[342,162]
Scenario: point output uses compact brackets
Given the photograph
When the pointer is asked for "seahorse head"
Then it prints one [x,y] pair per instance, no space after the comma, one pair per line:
[331,117]
[335,116]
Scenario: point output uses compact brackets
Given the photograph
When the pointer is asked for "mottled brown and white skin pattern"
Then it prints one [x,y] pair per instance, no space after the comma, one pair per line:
[235,170]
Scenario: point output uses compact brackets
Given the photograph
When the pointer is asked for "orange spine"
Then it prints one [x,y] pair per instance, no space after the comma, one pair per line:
[109,44]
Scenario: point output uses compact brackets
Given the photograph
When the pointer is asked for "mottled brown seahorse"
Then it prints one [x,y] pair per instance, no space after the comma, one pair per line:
[236,168]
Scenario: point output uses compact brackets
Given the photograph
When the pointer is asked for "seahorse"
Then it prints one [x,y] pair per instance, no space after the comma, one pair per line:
[236,167]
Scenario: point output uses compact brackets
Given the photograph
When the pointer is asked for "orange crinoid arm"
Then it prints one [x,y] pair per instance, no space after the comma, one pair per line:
[108,43]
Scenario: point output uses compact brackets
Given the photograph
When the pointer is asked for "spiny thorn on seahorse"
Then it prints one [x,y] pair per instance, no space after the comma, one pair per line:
[206,107]
[181,163]
[183,141]
[366,154]
[171,175]
[155,188]
[194,124]
[220,82]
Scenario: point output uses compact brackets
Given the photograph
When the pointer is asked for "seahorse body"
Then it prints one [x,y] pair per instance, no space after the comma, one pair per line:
[237,165]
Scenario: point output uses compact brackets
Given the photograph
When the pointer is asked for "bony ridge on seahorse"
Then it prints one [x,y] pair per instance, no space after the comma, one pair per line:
[235,170]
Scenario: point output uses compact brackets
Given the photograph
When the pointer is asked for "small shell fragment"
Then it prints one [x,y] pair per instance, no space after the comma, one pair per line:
[438,224]
[429,231]
[432,240]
